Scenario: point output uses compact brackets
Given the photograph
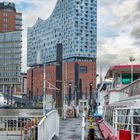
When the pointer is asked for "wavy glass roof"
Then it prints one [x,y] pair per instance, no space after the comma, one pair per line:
[72,23]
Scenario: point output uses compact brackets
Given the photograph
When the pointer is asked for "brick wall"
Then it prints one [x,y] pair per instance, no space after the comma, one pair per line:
[35,83]
[10,20]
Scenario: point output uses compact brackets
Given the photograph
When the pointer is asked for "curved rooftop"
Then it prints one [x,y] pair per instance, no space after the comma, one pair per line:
[72,23]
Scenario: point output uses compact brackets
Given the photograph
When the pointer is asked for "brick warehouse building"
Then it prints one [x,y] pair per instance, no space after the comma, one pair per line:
[87,75]
[73,24]
[10,48]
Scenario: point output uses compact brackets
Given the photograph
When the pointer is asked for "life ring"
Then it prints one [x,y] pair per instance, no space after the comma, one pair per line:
[69,112]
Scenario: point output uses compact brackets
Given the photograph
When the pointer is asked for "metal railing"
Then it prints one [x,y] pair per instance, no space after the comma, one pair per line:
[131,89]
[48,127]
[18,128]
[127,119]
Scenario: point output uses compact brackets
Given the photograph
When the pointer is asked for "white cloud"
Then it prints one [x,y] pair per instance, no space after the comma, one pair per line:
[127,7]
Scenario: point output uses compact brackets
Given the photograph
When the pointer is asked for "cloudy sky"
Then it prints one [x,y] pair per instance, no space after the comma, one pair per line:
[118,32]
[118,28]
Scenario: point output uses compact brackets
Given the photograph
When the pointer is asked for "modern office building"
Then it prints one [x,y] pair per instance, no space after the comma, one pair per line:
[73,23]
[10,47]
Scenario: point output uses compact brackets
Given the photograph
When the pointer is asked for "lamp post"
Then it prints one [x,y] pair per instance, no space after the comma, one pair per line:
[131,59]
[90,90]
[64,101]
[70,86]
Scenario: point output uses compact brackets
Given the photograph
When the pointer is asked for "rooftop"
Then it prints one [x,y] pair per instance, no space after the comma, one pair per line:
[7,6]
[122,69]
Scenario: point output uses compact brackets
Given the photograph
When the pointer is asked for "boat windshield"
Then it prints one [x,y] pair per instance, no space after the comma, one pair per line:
[126,78]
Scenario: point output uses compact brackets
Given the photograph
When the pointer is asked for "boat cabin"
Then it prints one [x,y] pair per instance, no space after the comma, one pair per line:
[123,75]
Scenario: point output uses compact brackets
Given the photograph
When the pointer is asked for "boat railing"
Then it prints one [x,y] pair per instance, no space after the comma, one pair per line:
[18,127]
[127,119]
[131,89]
[48,127]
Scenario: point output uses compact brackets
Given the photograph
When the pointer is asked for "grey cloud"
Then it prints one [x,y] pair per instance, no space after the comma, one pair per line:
[109,54]
[138,6]
[136,31]
[135,17]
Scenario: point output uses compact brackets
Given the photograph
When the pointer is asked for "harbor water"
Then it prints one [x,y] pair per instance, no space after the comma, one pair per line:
[21,112]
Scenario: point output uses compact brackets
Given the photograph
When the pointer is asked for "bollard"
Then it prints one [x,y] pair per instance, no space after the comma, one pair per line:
[36,127]
[91,129]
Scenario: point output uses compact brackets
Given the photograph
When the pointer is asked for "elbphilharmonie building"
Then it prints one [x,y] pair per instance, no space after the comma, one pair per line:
[74,24]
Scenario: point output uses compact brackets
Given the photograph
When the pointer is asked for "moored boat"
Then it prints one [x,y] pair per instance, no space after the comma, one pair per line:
[3,102]
[121,111]
[121,120]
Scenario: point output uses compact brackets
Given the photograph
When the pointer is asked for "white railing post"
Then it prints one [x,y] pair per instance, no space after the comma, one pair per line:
[57,124]
[83,119]
[83,124]
[49,126]
[116,120]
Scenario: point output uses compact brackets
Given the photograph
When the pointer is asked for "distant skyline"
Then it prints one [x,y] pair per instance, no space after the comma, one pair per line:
[118,28]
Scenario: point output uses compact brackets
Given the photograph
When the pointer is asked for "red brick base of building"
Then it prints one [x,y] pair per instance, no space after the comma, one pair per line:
[79,76]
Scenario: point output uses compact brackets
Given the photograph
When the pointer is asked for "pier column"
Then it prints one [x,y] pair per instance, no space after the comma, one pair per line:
[59,58]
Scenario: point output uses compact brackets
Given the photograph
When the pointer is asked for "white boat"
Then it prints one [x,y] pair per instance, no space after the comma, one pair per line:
[121,113]
[3,102]
[122,119]
[120,87]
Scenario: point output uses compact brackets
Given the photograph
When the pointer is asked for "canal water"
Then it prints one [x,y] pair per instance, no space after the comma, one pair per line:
[21,112]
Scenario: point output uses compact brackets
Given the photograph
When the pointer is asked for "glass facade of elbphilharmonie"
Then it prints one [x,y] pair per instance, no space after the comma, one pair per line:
[72,23]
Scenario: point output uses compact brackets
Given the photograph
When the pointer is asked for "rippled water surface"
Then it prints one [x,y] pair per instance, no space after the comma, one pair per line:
[21,112]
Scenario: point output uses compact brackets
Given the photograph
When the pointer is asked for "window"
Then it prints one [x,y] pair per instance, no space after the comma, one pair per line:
[5,14]
[83,69]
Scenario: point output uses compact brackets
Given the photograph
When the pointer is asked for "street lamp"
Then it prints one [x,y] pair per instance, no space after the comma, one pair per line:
[131,59]
[90,91]
[90,97]
[70,86]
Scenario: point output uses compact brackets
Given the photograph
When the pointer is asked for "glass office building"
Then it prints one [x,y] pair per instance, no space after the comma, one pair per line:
[10,47]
